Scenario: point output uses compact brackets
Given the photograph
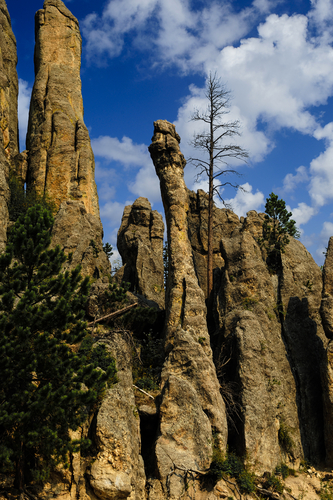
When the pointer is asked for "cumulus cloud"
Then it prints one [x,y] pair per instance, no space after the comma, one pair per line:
[23,110]
[302,213]
[246,200]
[146,184]
[290,182]
[277,76]
[321,183]
[125,151]
[181,34]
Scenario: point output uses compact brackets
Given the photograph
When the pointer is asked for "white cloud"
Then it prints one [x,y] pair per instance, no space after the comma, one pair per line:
[112,211]
[146,184]
[23,110]
[246,200]
[321,170]
[290,182]
[124,151]
[182,35]
[302,213]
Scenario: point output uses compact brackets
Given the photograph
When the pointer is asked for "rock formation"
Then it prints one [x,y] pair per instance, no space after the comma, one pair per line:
[191,405]
[8,114]
[140,244]
[268,326]
[268,329]
[327,368]
[118,471]
[61,161]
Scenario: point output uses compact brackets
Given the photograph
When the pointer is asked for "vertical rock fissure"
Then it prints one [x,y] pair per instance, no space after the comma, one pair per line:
[182,314]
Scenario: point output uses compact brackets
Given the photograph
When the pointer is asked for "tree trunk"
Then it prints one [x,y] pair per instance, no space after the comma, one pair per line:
[19,470]
[210,203]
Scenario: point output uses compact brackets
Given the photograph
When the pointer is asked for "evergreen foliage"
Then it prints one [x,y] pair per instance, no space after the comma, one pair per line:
[232,466]
[108,249]
[277,226]
[47,389]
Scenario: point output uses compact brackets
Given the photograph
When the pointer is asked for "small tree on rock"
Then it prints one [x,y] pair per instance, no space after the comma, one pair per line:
[46,388]
[277,227]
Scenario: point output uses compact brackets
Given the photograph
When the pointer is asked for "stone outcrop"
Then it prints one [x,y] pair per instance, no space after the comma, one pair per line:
[118,471]
[81,233]
[327,368]
[268,326]
[140,244]
[60,158]
[8,114]
[191,405]
[61,161]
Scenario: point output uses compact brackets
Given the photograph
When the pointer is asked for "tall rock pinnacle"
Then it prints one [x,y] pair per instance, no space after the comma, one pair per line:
[8,85]
[187,422]
[61,161]
[8,113]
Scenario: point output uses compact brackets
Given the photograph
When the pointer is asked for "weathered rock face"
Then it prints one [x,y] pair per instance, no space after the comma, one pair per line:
[191,404]
[269,327]
[8,113]
[140,244]
[60,159]
[8,85]
[118,471]
[81,233]
[327,369]
[61,162]
[224,221]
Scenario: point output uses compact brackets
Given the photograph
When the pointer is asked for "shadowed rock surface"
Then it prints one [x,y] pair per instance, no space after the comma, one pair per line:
[191,404]
[268,326]
[327,369]
[61,161]
[140,244]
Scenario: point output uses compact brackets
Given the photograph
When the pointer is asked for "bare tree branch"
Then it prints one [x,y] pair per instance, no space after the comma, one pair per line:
[211,142]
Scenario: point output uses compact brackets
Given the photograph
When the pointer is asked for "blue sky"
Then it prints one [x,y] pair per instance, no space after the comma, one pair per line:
[145,60]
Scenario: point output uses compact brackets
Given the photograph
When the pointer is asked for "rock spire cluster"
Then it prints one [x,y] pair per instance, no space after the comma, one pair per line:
[253,374]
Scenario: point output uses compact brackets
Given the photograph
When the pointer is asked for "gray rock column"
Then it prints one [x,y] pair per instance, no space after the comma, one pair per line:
[191,405]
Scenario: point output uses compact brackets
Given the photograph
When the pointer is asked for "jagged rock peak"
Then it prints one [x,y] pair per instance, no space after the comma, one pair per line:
[61,161]
[188,369]
[140,244]
[62,8]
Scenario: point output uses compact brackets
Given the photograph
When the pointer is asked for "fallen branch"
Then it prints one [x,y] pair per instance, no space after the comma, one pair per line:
[268,493]
[144,392]
[114,314]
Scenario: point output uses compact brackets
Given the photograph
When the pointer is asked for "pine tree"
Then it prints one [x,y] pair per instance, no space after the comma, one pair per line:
[46,388]
[277,227]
